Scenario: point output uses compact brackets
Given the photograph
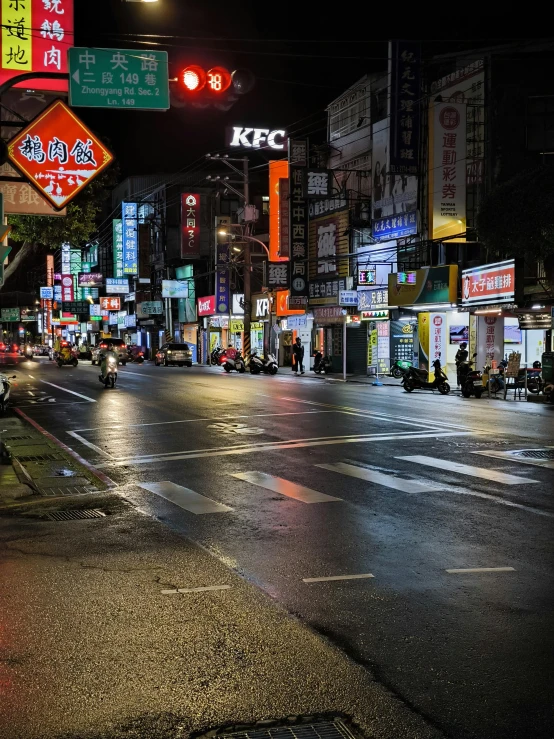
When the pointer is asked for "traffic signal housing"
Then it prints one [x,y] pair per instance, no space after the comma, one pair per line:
[215,87]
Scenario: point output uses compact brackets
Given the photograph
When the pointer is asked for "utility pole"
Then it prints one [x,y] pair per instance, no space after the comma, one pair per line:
[247,270]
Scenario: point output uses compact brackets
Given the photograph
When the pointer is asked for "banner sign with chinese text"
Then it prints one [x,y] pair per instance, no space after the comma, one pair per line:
[277,275]
[328,246]
[223,295]
[318,183]
[90,279]
[36,35]
[58,154]
[67,287]
[175,288]
[118,248]
[298,161]
[326,292]
[447,169]
[190,225]
[118,285]
[206,306]
[438,338]
[376,299]
[22,199]
[404,61]
[491,283]
[431,285]
[129,213]
[110,304]
[394,227]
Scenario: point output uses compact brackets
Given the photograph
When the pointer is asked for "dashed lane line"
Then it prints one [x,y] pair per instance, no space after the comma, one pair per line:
[334,578]
[477,570]
[206,589]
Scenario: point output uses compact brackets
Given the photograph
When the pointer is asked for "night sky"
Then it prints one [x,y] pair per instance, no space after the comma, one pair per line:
[301,62]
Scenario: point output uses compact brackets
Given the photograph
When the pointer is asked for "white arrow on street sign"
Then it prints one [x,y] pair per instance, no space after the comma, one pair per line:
[76,77]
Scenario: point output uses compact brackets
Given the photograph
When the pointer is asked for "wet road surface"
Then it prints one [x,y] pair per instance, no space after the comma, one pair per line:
[398,526]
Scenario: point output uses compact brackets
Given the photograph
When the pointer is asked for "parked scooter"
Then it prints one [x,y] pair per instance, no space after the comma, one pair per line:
[400,367]
[321,364]
[535,382]
[5,386]
[233,363]
[268,365]
[215,356]
[418,379]
[470,379]
[66,357]
[108,370]
[135,354]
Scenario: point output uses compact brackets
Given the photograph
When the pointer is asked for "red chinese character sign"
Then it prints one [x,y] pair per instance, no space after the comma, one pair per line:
[58,154]
[110,303]
[36,35]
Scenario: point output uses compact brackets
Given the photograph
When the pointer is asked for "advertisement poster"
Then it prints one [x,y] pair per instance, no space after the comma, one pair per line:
[401,341]
[447,169]
[383,346]
[438,338]
[491,283]
[431,285]
[423,340]
[372,347]
[393,194]
[490,340]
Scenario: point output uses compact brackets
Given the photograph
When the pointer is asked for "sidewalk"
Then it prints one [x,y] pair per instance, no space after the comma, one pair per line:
[36,464]
[98,640]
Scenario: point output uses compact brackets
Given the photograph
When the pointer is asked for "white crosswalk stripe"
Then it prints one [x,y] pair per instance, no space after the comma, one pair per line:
[185,498]
[466,469]
[285,487]
[379,478]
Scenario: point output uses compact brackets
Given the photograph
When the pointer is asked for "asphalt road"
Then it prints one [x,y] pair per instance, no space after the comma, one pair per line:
[300,484]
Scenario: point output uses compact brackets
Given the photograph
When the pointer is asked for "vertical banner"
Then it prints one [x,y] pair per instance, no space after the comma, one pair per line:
[68,293]
[404,65]
[284,218]
[447,169]
[423,340]
[438,338]
[144,250]
[75,262]
[190,225]
[490,340]
[130,238]
[36,35]
[222,293]
[298,161]
[278,170]
[117,247]
[50,270]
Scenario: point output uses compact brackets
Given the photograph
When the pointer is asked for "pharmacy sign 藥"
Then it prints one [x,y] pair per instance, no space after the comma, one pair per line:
[131,79]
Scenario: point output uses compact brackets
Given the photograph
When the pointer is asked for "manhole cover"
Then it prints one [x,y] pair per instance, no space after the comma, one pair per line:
[74,515]
[331,729]
[39,458]
[536,453]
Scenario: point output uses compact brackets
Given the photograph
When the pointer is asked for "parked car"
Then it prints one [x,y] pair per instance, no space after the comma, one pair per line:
[117,346]
[180,354]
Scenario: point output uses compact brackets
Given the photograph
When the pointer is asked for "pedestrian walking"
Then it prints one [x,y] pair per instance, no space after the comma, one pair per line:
[298,353]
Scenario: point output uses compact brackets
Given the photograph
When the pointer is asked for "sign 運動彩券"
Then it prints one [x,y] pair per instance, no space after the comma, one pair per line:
[118,78]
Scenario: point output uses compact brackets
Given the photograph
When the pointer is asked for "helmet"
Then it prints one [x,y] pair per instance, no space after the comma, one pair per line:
[537,365]
[463,345]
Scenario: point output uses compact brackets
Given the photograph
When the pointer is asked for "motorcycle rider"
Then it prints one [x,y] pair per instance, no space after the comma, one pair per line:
[231,352]
[110,354]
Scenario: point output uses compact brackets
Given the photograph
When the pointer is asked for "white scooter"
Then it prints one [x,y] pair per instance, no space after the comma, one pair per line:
[108,370]
[236,363]
[267,365]
[5,387]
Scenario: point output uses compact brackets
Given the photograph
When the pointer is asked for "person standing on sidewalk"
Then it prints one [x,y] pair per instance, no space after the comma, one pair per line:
[298,352]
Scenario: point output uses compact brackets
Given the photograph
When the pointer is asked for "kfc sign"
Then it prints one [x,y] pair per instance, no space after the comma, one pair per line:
[110,304]
[240,137]
[206,306]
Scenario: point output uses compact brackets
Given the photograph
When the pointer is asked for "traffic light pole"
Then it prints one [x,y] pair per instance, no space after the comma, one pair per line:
[247,271]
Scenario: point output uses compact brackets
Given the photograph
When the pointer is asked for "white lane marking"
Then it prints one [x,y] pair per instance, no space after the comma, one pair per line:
[379,478]
[90,445]
[338,577]
[409,421]
[496,499]
[65,390]
[480,569]
[196,590]
[271,446]
[197,420]
[184,497]
[548,463]
[31,376]
[465,469]
[285,487]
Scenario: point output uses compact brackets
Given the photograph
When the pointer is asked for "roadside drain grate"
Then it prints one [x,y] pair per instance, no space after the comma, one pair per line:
[330,729]
[536,453]
[15,438]
[75,515]
[57,490]
[40,458]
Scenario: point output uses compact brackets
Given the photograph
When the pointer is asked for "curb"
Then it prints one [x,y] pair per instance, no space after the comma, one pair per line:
[104,479]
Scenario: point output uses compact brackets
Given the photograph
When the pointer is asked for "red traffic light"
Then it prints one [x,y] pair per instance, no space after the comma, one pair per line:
[193,78]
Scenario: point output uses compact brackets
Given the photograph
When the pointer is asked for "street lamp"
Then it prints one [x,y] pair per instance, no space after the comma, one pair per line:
[247,238]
